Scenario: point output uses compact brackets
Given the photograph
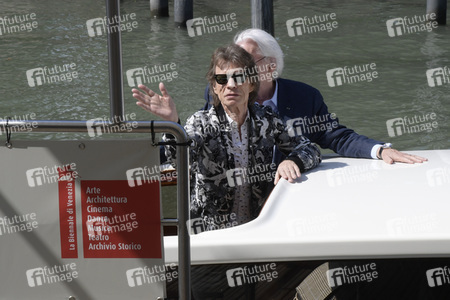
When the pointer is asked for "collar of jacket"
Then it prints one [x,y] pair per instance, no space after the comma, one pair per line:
[220,111]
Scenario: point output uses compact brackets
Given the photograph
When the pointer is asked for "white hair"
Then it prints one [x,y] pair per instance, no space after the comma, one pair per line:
[267,44]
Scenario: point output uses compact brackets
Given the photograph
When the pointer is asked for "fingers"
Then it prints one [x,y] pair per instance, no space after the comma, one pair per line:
[163,90]
[277,178]
[144,106]
[387,159]
[146,90]
[141,96]
[138,95]
[161,106]
[417,159]
[146,98]
[142,101]
[287,170]
[391,155]
[293,172]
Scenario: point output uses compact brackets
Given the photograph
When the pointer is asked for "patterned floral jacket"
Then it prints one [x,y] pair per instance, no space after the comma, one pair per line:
[213,173]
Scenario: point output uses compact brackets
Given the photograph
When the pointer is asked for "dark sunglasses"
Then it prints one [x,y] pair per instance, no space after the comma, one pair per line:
[238,78]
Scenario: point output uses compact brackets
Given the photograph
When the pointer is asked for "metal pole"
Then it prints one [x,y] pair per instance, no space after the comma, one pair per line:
[83,126]
[183,11]
[115,61]
[184,246]
[438,7]
[262,15]
[159,8]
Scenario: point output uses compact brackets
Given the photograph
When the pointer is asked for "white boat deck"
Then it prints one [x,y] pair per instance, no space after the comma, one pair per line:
[345,208]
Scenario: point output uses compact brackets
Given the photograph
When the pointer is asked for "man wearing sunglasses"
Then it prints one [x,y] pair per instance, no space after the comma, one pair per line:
[299,104]
[232,143]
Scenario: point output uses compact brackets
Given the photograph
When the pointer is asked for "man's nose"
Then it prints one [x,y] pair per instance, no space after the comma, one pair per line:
[231,83]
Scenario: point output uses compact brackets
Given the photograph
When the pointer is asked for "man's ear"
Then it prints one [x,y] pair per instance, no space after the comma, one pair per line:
[273,64]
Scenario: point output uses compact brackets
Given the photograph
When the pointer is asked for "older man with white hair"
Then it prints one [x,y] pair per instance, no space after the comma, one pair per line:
[303,107]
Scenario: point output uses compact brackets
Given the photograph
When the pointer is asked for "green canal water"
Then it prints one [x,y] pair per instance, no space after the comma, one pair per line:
[63,38]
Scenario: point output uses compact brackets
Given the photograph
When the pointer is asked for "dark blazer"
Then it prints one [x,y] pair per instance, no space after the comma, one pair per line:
[302,107]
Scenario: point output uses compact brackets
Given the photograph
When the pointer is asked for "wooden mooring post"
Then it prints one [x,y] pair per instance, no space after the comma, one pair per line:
[159,8]
[438,7]
[262,15]
[183,11]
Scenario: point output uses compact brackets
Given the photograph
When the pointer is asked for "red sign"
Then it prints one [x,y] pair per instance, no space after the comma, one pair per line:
[120,221]
[67,214]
